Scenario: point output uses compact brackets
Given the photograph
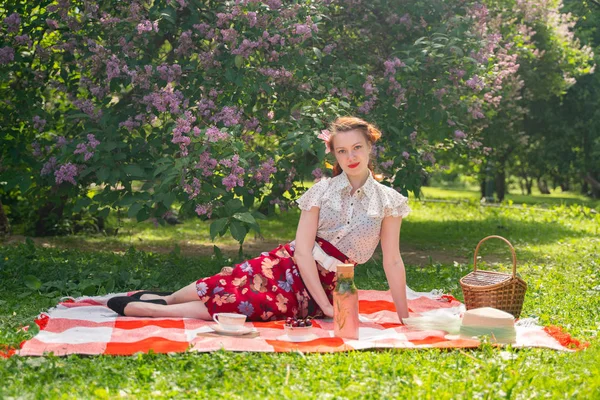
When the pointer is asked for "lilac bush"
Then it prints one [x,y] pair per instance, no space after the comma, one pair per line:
[216,106]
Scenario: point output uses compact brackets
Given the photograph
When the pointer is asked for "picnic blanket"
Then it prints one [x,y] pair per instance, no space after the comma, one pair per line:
[87,326]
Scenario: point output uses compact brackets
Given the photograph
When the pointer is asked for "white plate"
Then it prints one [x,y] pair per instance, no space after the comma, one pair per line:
[242,331]
[298,339]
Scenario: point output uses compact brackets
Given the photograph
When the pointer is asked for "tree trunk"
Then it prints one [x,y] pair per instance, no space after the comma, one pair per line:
[500,183]
[543,186]
[594,184]
[529,186]
[4,227]
[48,215]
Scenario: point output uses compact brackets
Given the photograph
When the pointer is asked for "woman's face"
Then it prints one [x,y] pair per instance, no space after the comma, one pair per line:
[352,152]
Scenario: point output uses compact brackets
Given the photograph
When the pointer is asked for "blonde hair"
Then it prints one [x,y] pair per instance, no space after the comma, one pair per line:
[345,124]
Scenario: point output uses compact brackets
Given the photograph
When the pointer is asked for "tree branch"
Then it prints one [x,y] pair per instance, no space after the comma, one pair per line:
[597,3]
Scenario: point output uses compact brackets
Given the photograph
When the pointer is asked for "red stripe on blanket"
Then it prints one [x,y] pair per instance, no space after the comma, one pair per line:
[157,345]
[564,338]
[136,323]
[370,307]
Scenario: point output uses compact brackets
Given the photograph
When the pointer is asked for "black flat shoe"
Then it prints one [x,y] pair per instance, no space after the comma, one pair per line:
[118,304]
[138,295]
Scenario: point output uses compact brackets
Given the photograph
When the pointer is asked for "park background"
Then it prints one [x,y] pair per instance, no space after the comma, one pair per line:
[148,143]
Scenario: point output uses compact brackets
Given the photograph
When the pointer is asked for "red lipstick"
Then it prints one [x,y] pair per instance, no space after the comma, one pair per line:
[353,165]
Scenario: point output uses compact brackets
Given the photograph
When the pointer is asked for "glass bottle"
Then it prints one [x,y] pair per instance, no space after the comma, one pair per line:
[345,303]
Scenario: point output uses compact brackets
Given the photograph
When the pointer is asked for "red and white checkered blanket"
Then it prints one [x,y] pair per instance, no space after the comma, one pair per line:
[87,326]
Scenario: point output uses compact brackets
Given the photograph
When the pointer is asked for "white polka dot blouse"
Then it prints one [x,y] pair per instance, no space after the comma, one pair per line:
[353,223]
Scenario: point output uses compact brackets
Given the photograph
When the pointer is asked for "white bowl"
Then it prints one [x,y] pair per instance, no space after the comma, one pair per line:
[298,332]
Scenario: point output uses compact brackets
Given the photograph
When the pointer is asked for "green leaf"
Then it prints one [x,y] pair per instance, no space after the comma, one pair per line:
[245,217]
[239,61]
[218,227]
[133,170]
[134,210]
[82,203]
[238,231]
[143,214]
[103,174]
[232,206]
[32,282]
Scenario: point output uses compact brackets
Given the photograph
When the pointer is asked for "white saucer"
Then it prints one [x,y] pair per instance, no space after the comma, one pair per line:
[239,332]
[307,338]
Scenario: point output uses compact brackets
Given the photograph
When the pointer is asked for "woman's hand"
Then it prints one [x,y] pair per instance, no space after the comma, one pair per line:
[328,311]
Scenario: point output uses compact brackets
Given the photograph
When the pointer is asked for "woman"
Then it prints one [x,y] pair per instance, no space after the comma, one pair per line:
[343,219]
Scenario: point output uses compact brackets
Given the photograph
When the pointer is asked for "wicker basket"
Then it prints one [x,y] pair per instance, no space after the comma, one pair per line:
[494,289]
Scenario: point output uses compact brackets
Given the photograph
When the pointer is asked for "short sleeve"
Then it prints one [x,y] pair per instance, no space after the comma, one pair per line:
[395,204]
[313,196]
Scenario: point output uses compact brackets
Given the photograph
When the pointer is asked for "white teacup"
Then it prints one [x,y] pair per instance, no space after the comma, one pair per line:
[230,321]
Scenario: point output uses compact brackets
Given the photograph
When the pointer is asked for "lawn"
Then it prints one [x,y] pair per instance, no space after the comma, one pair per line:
[558,250]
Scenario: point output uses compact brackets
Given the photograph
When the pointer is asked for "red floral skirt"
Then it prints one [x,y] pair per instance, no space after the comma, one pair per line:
[267,287]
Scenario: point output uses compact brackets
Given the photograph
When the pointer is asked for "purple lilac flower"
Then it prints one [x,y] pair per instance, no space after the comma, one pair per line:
[232,181]
[391,65]
[130,124]
[230,116]
[405,155]
[186,45]
[366,107]
[214,134]
[263,174]
[22,40]
[112,68]
[37,151]
[280,75]
[246,48]
[428,156]
[12,22]
[387,164]
[92,141]
[66,173]
[7,54]
[459,135]
[49,166]
[413,136]
[329,48]
[368,86]
[475,83]
[52,24]
[193,190]
[317,173]
[204,209]
[38,123]
[147,26]
[206,163]
[61,141]
[165,98]
[274,4]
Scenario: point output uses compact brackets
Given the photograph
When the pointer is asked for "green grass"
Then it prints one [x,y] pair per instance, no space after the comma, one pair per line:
[558,250]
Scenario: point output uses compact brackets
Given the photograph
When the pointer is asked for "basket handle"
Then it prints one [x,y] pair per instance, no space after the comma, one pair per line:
[512,250]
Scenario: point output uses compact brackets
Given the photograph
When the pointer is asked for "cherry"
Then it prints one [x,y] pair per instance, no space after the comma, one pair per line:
[301,324]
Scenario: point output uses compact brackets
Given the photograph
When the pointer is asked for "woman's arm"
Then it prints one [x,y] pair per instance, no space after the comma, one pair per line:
[393,264]
[305,240]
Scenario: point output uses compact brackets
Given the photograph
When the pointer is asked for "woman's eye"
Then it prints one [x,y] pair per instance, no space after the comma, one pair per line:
[341,151]
[358,147]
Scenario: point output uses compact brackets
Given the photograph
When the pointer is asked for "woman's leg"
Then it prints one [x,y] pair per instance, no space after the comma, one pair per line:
[184,295]
[192,309]
[184,303]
